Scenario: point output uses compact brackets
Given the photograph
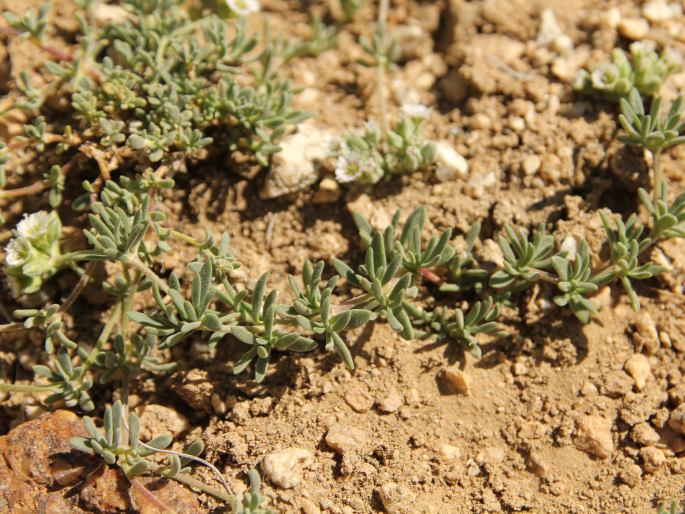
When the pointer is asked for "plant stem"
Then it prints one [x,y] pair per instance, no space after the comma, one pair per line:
[104,336]
[143,268]
[382,25]
[24,388]
[658,177]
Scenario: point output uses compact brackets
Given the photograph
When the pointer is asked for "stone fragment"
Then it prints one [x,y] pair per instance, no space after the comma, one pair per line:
[677,419]
[644,435]
[647,336]
[630,475]
[450,164]
[160,420]
[633,28]
[652,459]
[449,452]
[343,438]
[283,467]
[309,507]
[328,192]
[459,381]
[593,435]
[658,11]
[396,498]
[638,367]
[391,403]
[537,464]
[531,164]
[359,398]
[296,166]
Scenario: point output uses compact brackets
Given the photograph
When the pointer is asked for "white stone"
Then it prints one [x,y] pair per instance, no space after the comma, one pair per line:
[531,164]
[610,18]
[450,164]
[570,246]
[638,367]
[658,11]
[633,28]
[296,166]
[283,467]
[449,452]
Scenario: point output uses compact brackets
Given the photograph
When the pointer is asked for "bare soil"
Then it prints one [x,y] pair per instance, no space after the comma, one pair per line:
[514,442]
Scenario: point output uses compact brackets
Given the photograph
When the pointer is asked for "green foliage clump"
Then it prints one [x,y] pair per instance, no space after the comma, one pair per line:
[643,69]
[162,87]
[362,159]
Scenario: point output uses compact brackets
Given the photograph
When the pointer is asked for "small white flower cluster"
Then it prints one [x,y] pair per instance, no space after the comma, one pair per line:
[362,159]
[243,8]
[33,253]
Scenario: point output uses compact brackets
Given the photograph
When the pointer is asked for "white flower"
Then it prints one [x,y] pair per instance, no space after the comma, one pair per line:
[243,7]
[33,225]
[348,168]
[17,252]
[416,110]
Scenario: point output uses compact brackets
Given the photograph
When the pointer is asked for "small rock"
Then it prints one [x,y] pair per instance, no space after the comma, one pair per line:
[218,404]
[647,336]
[633,28]
[630,475]
[283,467]
[450,164]
[537,464]
[457,379]
[610,18]
[343,438]
[449,452]
[531,164]
[550,34]
[491,455]
[588,389]
[480,121]
[328,192]
[377,215]
[454,86]
[677,394]
[296,166]
[391,403]
[412,397]
[677,419]
[478,184]
[309,507]
[652,459]
[359,398]
[160,420]
[658,11]
[644,435]
[638,367]
[593,436]
[396,499]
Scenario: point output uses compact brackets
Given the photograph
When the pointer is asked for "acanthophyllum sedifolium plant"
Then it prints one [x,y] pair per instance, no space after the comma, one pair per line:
[138,113]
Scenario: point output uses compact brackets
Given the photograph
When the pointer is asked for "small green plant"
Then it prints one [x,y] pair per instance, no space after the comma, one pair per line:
[251,501]
[643,69]
[380,150]
[674,508]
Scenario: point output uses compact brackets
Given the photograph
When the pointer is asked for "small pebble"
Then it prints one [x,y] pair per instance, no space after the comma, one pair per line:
[457,379]
[283,467]
[633,28]
[638,367]
[593,436]
[391,403]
